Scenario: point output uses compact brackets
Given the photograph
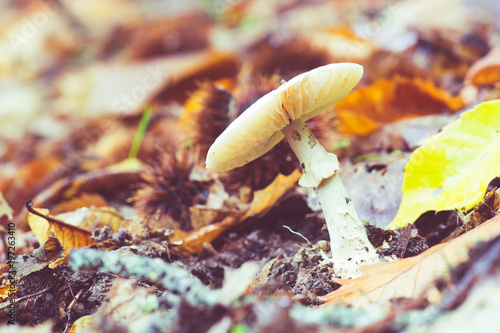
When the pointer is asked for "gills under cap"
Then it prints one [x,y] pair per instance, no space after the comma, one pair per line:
[258,129]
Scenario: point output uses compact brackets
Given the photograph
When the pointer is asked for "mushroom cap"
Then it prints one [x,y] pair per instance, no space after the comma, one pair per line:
[258,128]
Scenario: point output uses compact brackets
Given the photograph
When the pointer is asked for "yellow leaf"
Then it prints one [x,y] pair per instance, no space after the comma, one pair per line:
[453,169]
[69,235]
[266,198]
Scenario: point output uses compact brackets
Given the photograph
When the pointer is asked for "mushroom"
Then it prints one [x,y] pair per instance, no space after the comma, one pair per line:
[282,114]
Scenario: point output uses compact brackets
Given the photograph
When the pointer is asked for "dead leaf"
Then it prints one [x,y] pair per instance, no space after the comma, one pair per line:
[82,200]
[486,70]
[265,199]
[47,255]
[411,277]
[104,182]
[195,242]
[262,277]
[5,209]
[201,216]
[93,217]
[342,43]
[453,169]
[69,235]
[368,108]
[127,88]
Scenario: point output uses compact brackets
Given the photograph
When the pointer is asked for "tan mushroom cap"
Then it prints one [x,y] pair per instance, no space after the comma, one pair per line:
[258,129]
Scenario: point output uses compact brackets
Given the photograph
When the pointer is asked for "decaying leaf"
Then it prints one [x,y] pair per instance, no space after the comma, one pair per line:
[49,254]
[80,201]
[453,169]
[126,88]
[266,198]
[263,276]
[486,70]
[196,241]
[5,209]
[386,101]
[93,217]
[69,235]
[411,277]
[105,182]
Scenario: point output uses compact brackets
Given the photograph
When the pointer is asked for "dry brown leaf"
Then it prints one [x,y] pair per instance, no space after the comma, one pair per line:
[411,277]
[368,108]
[342,43]
[5,209]
[105,181]
[49,254]
[127,88]
[195,242]
[265,199]
[82,200]
[486,70]
[90,218]
[202,216]
[69,235]
[262,277]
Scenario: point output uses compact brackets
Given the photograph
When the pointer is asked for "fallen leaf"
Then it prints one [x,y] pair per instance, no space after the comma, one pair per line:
[5,209]
[106,182]
[410,277]
[90,218]
[262,277]
[127,88]
[82,200]
[201,216]
[69,235]
[47,255]
[196,241]
[342,43]
[368,108]
[265,199]
[453,169]
[486,70]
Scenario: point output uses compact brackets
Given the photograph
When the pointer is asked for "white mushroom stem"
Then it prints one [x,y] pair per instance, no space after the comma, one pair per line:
[348,239]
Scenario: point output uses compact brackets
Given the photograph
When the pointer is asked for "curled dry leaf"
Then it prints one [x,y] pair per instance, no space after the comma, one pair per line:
[195,242]
[411,277]
[69,235]
[262,277]
[5,209]
[49,254]
[265,199]
[486,70]
[367,109]
[109,181]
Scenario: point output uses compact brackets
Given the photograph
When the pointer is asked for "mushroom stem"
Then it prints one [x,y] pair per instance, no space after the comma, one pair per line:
[348,239]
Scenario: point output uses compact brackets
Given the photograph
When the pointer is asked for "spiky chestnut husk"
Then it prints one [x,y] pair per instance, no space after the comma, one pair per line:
[168,188]
[206,114]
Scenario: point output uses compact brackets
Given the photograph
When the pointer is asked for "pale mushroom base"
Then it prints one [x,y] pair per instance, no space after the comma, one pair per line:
[348,239]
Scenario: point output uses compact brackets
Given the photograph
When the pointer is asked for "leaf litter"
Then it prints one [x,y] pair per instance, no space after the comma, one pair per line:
[138,243]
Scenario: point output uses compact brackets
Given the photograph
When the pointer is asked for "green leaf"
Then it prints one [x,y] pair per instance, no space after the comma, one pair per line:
[453,169]
[141,130]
